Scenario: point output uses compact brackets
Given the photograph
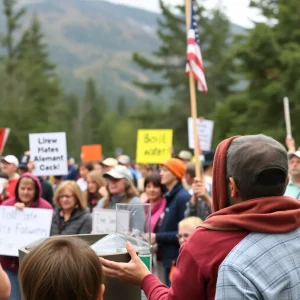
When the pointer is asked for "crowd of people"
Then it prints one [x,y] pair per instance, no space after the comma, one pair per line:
[235,227]
[168,188]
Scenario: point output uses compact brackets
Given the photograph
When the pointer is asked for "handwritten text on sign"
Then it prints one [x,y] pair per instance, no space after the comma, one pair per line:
[154,146]
[205,133]
[18,228]
[49,153]
[104,220]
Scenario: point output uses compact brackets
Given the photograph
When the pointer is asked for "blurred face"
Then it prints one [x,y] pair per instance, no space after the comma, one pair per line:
[30,165]
[144,171]
[97,167]
[294,166]
[189,179]
[92,186]
[106,168]
[83,171]
[153,192]
[116,186]
[67,199]
[26,191]
[167,176]
[9,169]
[184,232]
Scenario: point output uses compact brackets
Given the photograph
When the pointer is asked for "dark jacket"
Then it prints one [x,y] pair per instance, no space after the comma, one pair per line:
[47,191]
[72,173]
[173,214]
[201,210]
[80,222]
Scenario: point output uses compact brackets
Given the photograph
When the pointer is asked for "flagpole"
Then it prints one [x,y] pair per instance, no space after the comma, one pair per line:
[193,97]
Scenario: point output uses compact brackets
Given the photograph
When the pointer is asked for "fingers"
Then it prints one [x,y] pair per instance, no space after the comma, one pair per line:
[110,264]
[197,180]
[131,250]
[110,273]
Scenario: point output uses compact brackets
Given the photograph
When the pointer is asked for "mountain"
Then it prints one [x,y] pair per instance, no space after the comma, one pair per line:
[96,38]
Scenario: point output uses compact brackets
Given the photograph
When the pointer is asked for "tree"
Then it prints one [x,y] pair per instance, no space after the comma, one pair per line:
[268,58]
[122,106]
[30,86]
[32,47]
[13,24]
[170,59]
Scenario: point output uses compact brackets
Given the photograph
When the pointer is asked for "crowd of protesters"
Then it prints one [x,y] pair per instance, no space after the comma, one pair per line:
[243,183]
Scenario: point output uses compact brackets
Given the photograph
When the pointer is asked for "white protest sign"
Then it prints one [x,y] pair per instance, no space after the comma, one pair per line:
[104,220]
[18,228]
[205,133]
[49,153]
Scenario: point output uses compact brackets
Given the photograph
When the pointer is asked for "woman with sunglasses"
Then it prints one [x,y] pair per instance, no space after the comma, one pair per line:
[71,216]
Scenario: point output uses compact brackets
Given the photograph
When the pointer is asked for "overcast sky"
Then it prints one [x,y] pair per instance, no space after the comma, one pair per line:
[237,10]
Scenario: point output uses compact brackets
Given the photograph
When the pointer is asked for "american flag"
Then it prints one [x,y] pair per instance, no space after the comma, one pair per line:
[194,56]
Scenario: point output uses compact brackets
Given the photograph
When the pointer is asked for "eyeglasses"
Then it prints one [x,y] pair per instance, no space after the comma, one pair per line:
[183,236]
[65,196]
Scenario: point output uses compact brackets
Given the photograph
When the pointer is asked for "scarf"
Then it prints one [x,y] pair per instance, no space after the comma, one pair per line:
[269,214]
[156,211]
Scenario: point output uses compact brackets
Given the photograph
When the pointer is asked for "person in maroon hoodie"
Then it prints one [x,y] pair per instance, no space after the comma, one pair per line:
[28,194]
[236,214]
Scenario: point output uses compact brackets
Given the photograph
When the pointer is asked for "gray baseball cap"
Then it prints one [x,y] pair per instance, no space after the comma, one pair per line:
[119,172]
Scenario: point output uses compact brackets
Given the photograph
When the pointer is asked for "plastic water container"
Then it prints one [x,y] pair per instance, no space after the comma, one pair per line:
[134,225]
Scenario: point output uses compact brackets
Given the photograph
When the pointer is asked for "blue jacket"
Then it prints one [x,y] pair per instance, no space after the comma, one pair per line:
[174,213]
[73,173]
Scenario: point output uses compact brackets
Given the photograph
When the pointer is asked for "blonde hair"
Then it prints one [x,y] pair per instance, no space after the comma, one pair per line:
[60,269]
[191,222]
[27,180]
[73,186]
[95,176]
[130,192]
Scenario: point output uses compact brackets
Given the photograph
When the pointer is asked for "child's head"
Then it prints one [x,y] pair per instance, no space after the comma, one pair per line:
[186,227]
[60,269]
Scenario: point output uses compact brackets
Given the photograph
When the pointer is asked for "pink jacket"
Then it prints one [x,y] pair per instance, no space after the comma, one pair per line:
[10,262]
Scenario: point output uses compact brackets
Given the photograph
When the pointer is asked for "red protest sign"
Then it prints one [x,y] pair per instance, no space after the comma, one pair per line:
[4,132]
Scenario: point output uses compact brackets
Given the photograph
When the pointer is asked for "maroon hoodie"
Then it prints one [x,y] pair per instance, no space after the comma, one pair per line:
[197,268]
[10,262]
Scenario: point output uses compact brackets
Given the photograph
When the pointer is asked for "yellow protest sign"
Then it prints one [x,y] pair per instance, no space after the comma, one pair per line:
[154,146]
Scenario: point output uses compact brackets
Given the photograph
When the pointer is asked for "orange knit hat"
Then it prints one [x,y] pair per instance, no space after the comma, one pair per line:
[176,166]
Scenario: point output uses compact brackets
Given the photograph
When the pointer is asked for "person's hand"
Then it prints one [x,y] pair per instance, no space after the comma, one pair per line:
[153,238]
[103,191]
[199,188]
[199,191]
[290,144]
[19,205]
[143,197]
[133,272]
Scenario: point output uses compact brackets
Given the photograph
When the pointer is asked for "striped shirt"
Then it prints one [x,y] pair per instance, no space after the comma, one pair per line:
[262,266]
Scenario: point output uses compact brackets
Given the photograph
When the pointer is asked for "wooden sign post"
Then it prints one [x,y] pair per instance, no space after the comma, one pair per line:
[193,94]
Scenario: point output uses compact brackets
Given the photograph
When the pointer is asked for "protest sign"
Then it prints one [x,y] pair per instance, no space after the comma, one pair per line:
[49,153]
[154,146]
[4,132]
[205,133]
[105,220]
[91,152]
[21,227]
